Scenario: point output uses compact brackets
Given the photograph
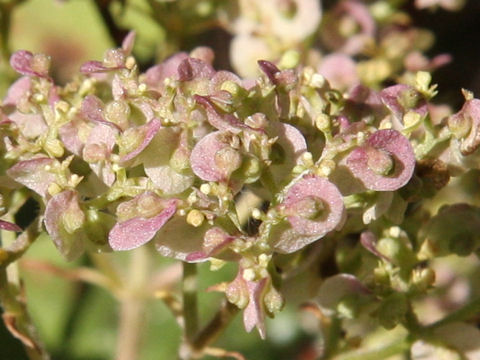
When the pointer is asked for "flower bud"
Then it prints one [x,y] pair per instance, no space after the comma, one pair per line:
[423,279]
[114,58]
[118,113]
[380,161]
[228,160]
[273,301]
[148,204]
[237,292]
[195,218]
[396,250]
[347,307]
[41,63]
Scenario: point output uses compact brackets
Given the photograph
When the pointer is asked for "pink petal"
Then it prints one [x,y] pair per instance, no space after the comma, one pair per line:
[149,130]
[128,42]
[97,150]
[137,231]
[33,174]
[280,78]
[31,125]
[393,144]
[368,241]
[224,122]
[254,313]
[114,60]
[17,91]
[269,69]
[157,164]
[363,102]
[156,75]
[5,225]
[65,207]
[103,134]
[355,43]
[93,67]
[193,69]
[203,53]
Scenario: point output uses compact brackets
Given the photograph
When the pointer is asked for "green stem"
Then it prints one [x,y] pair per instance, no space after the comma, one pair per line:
[216,326]
[12,300]
[332,337]
[190,306]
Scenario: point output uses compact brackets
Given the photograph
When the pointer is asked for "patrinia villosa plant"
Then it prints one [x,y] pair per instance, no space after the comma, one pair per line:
[167,160]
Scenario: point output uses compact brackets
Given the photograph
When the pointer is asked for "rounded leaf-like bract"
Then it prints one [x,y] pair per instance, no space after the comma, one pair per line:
[158,164]
[34,174]
[136,231]
[146,132]
[64,220]
[288,149]
[314,207]
[465,124]
[212,159]
[93,109]
[385,162]
[180,240]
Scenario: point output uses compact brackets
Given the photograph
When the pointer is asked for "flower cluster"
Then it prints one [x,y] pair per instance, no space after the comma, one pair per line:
[118,158]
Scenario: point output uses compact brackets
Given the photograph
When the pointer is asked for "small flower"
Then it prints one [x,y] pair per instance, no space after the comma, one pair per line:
[400,99]
[257,298]
[26,63]
[114,59]
[348,27]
